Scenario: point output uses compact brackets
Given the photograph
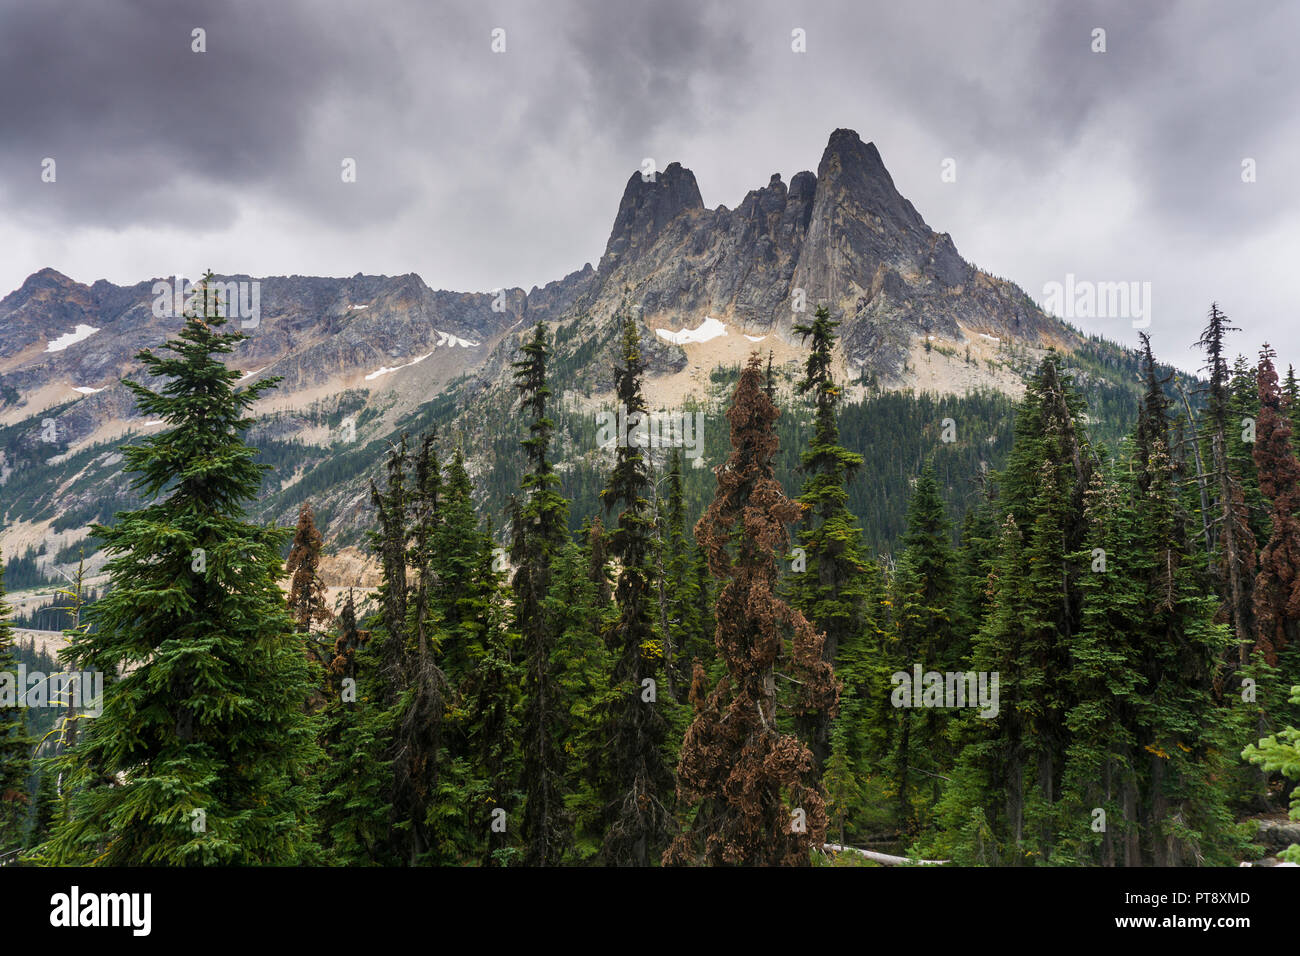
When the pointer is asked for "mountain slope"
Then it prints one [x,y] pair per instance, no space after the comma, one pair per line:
[366,358]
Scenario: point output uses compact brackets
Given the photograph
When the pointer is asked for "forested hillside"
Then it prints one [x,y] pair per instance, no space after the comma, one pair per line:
[1056,631]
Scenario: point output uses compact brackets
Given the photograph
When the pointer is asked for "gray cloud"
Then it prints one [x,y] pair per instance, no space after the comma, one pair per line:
[478,169]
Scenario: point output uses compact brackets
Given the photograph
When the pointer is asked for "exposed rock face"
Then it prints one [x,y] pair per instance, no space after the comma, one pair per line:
[843,237]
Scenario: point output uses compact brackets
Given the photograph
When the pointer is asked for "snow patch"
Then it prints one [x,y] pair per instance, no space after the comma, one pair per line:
[385,369]
[155,421]
[251,374]
[354,308]
[86,390]
[991,338]
[72,338]
[755,338]
[710,328]
[446,338]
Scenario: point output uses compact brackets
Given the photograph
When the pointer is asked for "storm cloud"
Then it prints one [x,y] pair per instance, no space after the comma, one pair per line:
[479,169]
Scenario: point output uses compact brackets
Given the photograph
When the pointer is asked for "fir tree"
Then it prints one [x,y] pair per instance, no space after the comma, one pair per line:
[1236,566]
[16,744]
[585,694]
[307,604]
[754,789]
[928,634]
[1009,773]
[1277,585]
[835,591]
[200,753]
[640,783]
[540,529]
[1280,752]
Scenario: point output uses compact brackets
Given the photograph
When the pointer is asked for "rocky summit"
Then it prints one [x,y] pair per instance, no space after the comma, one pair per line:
[384,347]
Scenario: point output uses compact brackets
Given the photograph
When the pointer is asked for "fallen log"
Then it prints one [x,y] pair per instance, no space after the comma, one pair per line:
[884,859]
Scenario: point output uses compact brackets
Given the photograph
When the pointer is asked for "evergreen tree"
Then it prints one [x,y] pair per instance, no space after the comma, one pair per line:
[307,604]
[1236,565]
[1009,773]
[583,665]
[926,633]
[201,751]
[16,744]
[690,639]
[412,690]
[482,780]
[1276,657]
[1280,752]
[639,782]
[540,530]
[835,589]
[355,813]
[754,789]
[1277,585]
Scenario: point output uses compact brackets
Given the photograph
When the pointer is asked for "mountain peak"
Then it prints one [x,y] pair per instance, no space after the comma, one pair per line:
[855,167]
[650,201]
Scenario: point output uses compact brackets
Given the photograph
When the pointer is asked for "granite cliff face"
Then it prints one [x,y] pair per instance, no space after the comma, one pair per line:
[843,237]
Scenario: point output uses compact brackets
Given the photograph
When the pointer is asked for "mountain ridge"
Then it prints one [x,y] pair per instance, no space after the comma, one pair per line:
[389,350]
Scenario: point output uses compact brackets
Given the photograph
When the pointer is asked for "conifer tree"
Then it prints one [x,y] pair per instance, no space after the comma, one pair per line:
[1280,752]
[754,789]
[1276,656]
[1277,585]
[640,783]
[681,592]
[483,785]
[355,812]
[926,633]
[835,590]
[1240,440]
[201,751]
[583,666]
[540,530]
[307,604]
[463,592]
[1236,565]
[1291,398]
[16,744]
[1009,773]
[417,741]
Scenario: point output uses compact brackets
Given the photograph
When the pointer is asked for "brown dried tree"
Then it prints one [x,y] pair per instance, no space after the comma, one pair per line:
[1277,585]
[754,787]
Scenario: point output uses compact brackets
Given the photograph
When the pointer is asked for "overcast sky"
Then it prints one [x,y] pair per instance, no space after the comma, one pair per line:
[478,169]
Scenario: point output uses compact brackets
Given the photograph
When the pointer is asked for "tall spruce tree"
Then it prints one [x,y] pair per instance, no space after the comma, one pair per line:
[201,751]
[926,632]
[1147,738]
[1236,564]
[307,604]
[16,744]
[1009,773]
[640,783]
[1276,658]
[836,590]
[754,790]
[1277,585]
[540,530]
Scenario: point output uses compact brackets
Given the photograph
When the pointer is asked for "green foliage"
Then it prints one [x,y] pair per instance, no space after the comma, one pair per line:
[201,753]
